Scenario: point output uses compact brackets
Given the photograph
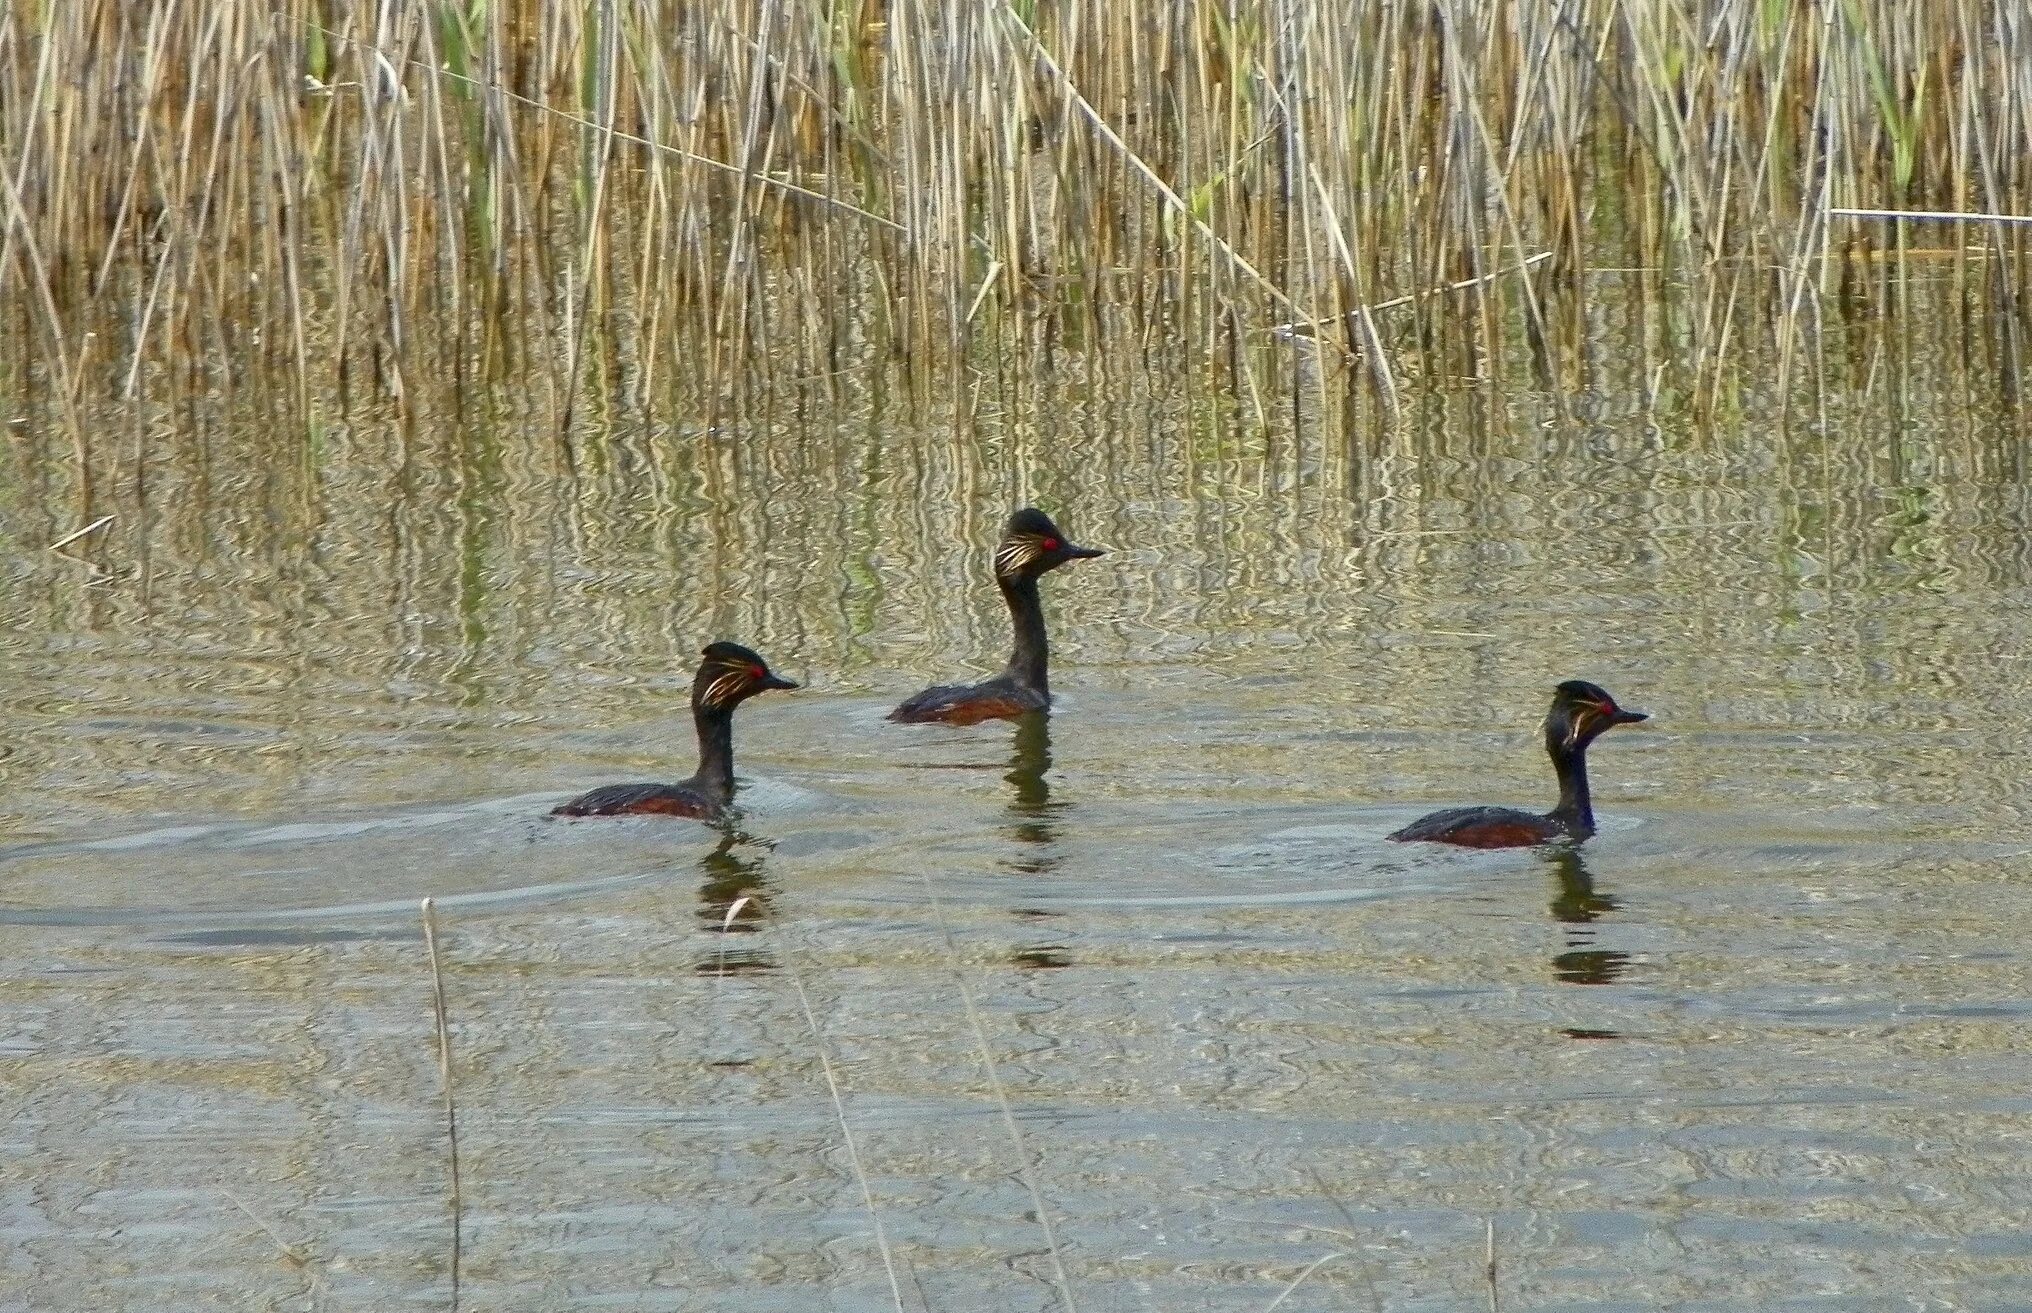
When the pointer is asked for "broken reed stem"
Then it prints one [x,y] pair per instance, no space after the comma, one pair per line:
[1299,1280]
[1927,216]
[1353,1233]
[609,134]
[1411,298]
[1144,171]
[1371,342]
[1029,1173]
[1489,1262]
[825,1065]
[291,1252]
[76,534]
[444,1072]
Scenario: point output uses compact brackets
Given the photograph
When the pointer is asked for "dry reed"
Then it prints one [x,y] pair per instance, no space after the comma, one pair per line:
[1026,1168]
[654,206]
[444,1072]
[839,1106]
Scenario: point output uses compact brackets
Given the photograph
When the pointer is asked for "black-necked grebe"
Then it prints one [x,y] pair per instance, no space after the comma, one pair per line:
[728,676]
[1580,712]
[1031,547]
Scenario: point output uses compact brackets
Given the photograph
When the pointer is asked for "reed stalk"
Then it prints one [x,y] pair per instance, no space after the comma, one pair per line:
[444,1072]
[667,207]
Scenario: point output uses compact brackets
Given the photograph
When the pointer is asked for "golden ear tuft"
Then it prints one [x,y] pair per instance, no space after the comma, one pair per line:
[1017,552]
[724,689]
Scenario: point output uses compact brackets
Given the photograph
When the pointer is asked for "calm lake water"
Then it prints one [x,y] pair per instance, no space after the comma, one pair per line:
[1761,1044]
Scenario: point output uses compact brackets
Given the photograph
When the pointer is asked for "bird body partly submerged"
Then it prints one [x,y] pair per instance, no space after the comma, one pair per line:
[1000,698]
[1031,547]
[642,800]
[1580,712]
[1485,827]
[728,675]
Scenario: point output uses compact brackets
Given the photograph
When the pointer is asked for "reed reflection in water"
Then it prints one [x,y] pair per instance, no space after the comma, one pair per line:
[357,672]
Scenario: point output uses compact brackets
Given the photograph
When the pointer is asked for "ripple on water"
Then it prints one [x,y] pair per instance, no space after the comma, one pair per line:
[234,875]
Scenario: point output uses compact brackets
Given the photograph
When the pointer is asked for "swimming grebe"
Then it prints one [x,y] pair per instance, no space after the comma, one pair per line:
[1031,547]
[728,676]
[1580,711]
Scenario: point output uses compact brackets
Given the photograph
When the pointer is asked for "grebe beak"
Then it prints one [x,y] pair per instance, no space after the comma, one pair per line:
[1586,716]
[1073,553]
[774,680]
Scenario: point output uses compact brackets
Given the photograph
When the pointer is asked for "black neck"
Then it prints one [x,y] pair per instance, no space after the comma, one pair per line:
[1026,662]
[1574,810]
[715,776]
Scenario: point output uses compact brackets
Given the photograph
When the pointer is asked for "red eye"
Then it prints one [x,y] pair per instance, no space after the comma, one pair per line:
[1049,544]
[757,673]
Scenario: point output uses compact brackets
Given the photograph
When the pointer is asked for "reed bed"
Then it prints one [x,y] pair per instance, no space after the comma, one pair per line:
[660,206]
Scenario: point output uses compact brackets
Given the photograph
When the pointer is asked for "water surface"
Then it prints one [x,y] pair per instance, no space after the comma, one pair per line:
[1759,1044]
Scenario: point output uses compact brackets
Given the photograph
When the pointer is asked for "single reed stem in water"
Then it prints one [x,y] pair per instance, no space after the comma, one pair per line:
[444,1072]
[1002,1103]
[825,1064]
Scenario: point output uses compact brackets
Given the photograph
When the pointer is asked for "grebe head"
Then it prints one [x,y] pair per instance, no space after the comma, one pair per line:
[731,674]
[1580,712]
[1032,545]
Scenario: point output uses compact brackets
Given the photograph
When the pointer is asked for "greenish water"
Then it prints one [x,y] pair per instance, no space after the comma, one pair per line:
[1760,1045]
